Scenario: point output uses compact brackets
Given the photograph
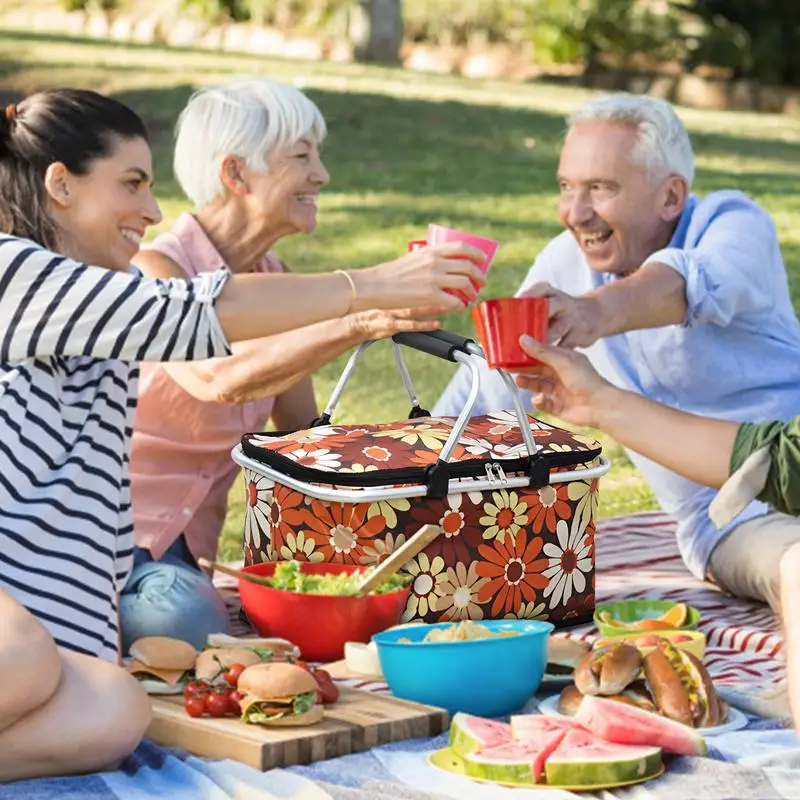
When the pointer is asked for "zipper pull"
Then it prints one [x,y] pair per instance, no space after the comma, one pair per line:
[501,474]
[490,474]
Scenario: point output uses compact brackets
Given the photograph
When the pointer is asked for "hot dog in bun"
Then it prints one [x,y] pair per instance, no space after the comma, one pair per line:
[682,688]
[608,670]
[675,683]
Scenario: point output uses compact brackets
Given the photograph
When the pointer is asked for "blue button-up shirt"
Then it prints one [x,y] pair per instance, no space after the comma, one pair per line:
[736,357]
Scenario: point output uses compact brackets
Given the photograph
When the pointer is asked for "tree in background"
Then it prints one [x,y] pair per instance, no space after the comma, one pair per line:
[757,39]
[376,30]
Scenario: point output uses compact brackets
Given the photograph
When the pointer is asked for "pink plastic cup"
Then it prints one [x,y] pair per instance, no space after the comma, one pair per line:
[439,234]
[500,323]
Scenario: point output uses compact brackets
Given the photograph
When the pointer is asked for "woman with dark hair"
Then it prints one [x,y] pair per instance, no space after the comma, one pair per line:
[75,190]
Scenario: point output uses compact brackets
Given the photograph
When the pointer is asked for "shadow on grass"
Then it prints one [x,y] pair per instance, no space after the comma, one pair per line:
[410,146]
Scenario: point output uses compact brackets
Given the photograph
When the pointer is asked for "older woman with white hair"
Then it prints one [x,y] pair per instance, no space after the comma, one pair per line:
[679,298]
[247,154]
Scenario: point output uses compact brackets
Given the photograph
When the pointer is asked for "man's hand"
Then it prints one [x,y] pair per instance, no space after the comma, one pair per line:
[377,324]
[573,321]
[565,384]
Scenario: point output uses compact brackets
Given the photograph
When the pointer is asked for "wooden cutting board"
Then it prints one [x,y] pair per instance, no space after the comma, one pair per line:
[357,721]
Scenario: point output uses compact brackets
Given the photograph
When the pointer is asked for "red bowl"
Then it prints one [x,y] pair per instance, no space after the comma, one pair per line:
[319,624]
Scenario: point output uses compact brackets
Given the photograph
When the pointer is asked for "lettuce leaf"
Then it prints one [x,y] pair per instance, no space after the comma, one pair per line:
[304,702]
[255,713]
[300,705]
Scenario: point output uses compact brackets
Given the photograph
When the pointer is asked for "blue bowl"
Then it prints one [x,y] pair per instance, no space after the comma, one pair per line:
[487,677]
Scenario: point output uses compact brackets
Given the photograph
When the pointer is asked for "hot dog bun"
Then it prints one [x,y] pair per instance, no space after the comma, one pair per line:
[608,670]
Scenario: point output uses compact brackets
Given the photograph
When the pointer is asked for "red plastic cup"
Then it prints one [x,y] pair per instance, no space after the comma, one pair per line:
[416,244]
[319,624]
[500,323]
[439,234]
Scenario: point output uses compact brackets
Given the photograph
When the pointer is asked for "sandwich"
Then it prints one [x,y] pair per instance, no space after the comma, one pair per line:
[279,694]
[212,663]
[280,648]
[668,681]
[162,664]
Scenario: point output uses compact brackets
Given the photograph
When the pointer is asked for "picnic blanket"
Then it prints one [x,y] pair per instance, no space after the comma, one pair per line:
[637,557]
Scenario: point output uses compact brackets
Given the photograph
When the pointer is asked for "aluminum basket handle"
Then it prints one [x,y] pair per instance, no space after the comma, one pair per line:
[458,349]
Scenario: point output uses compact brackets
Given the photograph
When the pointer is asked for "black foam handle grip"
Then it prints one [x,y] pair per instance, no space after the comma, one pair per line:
[452,338]
[433,345]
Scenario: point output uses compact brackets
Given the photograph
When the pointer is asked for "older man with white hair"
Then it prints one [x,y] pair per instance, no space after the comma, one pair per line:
[681,299]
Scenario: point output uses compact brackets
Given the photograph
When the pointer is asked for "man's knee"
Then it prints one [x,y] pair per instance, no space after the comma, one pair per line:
[748,562]
[167,600]
[790,565]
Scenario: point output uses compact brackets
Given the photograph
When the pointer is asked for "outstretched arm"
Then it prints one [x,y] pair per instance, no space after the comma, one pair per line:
[566,384]
[53,306]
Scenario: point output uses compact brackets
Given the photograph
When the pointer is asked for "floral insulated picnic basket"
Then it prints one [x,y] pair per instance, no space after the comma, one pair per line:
[516,500]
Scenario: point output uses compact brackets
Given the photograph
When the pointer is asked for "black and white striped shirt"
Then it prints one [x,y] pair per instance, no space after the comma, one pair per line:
[70,337]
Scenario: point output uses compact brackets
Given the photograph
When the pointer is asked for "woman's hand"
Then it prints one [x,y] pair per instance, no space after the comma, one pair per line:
[565,383]
[377,324]
[420,279]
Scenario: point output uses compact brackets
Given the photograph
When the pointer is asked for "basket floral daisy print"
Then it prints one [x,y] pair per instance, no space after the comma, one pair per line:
[506,549]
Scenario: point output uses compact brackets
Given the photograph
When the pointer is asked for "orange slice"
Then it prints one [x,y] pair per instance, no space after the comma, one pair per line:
[652,625]
[676,616]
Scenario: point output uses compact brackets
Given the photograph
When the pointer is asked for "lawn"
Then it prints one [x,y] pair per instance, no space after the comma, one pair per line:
[406,149]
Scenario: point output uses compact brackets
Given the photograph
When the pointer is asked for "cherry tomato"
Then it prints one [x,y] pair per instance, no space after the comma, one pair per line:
[327,691]
[195,706]
[216,704]
[234,700]
[303,665]
[194,688]
[232,674]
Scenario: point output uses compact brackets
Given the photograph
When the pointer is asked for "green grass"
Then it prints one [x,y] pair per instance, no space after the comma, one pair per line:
[406,149]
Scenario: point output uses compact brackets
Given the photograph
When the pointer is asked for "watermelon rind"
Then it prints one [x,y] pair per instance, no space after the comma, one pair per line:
[515,762]
[626,724]
[468,733]
[519,773]
[602,766]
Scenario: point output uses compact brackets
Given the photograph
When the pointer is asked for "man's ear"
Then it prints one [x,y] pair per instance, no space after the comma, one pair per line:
[675,193]
[231,176]
[57,184]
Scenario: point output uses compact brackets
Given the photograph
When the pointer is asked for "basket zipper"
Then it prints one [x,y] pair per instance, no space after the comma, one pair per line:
[471,468]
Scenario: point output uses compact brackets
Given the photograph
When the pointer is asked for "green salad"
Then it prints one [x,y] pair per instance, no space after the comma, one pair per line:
[287,576]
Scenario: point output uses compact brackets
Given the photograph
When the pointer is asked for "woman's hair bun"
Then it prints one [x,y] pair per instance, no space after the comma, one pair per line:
[8,117]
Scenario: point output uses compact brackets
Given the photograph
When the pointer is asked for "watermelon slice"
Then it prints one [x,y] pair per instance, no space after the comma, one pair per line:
[531,727]
[468,734]
[583,759]
[625,724]
[514,762]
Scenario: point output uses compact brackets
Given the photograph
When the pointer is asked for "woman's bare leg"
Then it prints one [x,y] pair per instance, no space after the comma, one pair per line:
[30,666]
[61,713]
[96,717]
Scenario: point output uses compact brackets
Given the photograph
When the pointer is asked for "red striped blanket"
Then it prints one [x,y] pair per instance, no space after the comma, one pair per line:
[637,557]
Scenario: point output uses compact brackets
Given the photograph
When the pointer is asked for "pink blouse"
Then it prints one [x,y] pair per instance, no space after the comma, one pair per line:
[181,467]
